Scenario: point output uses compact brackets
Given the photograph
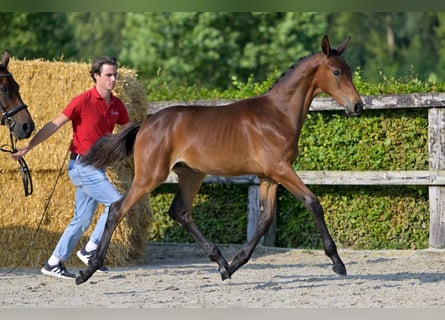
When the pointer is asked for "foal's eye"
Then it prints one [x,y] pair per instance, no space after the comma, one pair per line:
[336,72]
[4,89]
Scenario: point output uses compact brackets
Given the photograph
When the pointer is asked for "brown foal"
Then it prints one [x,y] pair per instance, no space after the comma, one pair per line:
[255,136]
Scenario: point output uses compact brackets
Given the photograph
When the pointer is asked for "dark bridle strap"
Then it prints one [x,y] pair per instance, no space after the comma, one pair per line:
[9,113]
[26,177]
[24,170]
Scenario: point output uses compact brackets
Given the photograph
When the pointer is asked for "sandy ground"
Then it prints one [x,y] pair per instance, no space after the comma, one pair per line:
[181,276]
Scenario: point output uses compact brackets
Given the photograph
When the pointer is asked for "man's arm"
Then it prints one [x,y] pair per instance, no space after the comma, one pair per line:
[44,133]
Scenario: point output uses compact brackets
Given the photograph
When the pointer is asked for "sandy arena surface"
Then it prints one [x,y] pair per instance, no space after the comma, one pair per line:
[181,276]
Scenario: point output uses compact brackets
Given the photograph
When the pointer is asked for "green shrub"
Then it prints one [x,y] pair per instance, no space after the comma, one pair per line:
[375,140]
[359,217]
[218,210]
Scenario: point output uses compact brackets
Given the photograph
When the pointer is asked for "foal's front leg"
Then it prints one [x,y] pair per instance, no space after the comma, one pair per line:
[295,185]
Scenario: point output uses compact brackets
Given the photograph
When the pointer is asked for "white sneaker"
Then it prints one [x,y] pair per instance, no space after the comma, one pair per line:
[58,271]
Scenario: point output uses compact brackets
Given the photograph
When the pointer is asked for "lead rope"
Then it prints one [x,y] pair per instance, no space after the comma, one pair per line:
[45,211]
[24,170]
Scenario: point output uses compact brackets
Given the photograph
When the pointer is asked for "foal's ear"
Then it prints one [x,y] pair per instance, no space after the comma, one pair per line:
[326,46]
[343,46]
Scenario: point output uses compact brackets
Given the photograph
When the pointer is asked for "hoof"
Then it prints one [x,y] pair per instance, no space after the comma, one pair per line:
[79,279]
[224,274]
[82,277]
[339,269]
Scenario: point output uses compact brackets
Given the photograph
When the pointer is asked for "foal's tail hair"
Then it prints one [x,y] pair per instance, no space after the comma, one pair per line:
[112,149]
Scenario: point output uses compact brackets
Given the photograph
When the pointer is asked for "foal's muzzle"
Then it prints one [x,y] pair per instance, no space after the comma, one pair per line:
[355,109]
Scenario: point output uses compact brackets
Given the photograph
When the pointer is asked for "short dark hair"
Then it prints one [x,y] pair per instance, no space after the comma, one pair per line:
[96,67]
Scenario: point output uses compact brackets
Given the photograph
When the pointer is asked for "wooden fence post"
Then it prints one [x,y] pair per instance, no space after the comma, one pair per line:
[436,149]
[253,210]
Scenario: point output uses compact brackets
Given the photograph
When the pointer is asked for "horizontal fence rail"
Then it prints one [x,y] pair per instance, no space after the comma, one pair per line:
[398,101]
[418,178]
[434,178]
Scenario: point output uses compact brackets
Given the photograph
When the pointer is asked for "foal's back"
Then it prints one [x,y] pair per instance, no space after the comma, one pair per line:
[223,140]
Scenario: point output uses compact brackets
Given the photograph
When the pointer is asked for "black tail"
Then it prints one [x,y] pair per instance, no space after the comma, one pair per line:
[112,149]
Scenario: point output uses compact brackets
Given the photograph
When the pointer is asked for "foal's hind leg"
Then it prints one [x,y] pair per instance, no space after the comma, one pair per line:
[181,208]
[99,257]
[268,191]
[117,212]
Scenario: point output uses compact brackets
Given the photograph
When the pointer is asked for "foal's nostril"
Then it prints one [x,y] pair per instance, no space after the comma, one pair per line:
[28,128]
[358,107]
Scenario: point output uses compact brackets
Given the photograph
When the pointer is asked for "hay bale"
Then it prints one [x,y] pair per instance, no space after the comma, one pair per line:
[46,87]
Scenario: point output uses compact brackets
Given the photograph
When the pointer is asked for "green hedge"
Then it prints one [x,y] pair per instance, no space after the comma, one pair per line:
[360,217]
[219,210]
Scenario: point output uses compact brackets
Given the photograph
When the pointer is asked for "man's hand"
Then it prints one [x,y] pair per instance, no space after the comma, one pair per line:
[20,153]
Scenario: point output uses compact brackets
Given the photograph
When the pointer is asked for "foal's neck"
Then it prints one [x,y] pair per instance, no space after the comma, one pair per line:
[295,91]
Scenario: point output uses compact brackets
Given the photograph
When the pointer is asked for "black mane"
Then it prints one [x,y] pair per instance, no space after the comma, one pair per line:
[290,69]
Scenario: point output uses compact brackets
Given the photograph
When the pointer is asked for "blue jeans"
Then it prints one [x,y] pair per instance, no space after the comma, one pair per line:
[92,187]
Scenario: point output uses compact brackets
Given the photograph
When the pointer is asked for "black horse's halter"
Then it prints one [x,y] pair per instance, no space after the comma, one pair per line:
[7,118]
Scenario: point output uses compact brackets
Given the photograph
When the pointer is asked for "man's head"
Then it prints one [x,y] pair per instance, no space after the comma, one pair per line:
[96,67]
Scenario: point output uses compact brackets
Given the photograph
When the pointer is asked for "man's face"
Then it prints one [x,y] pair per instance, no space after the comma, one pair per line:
[107,78]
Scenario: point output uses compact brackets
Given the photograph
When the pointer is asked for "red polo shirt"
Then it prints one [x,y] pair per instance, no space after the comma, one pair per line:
[91,118]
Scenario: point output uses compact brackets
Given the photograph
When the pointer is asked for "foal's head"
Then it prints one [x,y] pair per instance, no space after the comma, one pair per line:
[14,111]
[334,77]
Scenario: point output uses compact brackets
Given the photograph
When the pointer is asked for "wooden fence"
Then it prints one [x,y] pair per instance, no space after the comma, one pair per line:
[434,178]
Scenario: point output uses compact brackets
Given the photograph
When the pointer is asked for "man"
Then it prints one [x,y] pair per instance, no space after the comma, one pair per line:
[93,114]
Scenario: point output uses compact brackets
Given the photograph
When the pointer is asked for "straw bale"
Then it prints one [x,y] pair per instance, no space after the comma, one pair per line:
[46,87]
